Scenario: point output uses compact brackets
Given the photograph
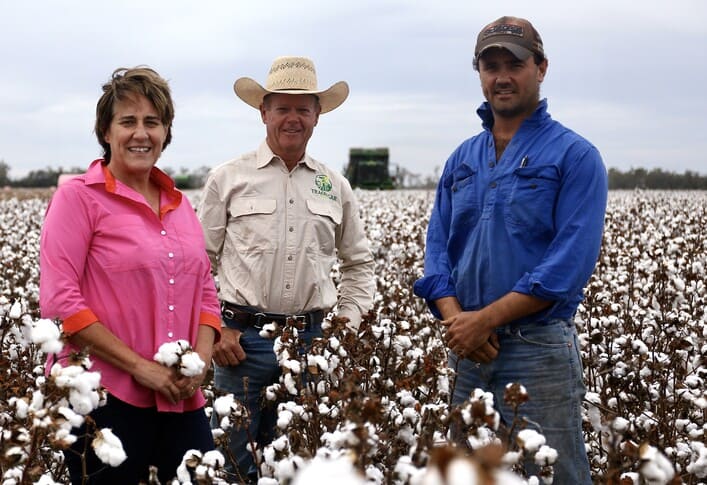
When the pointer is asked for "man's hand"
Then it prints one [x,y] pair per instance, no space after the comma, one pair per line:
[228,350]
[470,336]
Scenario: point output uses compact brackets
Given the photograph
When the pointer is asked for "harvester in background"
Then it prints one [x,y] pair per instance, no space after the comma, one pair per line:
[368,168]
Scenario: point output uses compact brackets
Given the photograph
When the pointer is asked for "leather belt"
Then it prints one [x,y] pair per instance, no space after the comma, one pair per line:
[254,318]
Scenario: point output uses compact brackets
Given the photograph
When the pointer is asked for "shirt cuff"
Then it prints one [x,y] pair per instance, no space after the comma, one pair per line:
[434,287]
[213,321]
[78,321]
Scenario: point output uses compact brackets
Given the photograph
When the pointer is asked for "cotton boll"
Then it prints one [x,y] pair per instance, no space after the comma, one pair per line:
[530,440]
[280,444]
[621,424]
[47,335]
[168,354]
[224,404]
[290,384]
[284,417]
[82,403]
[214,459]
[461,471]
[633,477]
[655,468]
[293,365]
[325,471]
[21,406]
[545,456]
[15,310]
[190,364]
[108,447]
[698,466]
[73,418]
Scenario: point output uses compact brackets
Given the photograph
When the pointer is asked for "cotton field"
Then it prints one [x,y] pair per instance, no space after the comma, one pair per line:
[373,408]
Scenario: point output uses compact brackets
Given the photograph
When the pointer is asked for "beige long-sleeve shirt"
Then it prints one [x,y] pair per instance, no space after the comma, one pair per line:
[273,236]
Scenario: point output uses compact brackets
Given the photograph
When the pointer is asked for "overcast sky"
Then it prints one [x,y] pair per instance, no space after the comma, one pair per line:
[628,75]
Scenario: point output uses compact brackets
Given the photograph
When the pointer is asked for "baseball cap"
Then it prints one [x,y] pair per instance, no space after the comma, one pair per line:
[513,33]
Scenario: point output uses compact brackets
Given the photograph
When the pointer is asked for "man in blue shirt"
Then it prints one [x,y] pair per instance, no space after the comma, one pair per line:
[513,238]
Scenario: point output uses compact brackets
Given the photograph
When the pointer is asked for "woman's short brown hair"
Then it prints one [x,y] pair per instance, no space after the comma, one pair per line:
[130,81]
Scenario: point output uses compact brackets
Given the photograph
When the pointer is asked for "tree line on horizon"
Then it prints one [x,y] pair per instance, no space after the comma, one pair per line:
[634,178]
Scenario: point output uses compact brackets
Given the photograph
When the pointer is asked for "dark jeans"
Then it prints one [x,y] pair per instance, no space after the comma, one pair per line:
[149,438]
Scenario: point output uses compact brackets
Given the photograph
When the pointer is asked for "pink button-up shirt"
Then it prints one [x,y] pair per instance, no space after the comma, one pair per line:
[106,256]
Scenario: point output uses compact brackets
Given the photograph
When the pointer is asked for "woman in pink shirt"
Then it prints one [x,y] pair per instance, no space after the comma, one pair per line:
[123,266]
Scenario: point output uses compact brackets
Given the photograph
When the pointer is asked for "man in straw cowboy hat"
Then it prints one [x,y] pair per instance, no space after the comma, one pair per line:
[513,238]
[275,222]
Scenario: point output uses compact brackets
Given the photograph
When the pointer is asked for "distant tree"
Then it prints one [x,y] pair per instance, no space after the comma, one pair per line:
[640,178]
[40,178]
[4,171]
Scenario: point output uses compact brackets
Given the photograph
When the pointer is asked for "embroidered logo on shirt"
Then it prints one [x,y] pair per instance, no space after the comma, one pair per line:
[323,183]
[324,186]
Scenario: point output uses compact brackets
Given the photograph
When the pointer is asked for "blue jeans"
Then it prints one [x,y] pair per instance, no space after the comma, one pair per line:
[262,370]
[545,359]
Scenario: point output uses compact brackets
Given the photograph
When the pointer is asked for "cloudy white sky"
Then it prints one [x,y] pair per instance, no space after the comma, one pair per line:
[628,75]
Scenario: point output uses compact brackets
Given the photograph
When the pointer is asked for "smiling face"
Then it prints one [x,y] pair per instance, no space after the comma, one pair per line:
[511,86]
[136,136]
[289,120]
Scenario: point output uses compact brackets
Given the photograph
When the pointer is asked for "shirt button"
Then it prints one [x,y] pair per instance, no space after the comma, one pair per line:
[171,281]
[493,185]
[171,308]
[492,164]
[163,232]
[170,334]
[171,255]
[289,258]
[292,201]
[287,286]
[292,229]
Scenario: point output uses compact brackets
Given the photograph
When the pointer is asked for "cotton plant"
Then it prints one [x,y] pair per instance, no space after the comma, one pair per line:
[641,330]
[59,401]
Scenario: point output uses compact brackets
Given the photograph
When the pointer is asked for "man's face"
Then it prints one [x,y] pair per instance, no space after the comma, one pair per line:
[511,86]
[289,120]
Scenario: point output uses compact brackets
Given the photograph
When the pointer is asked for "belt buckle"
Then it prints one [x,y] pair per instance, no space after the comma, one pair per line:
[227,312]
[259,318]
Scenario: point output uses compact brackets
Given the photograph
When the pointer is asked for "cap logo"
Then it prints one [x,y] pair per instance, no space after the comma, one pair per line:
[503,29]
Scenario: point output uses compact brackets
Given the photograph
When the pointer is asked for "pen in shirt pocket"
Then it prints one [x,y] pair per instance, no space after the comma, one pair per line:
[524,161]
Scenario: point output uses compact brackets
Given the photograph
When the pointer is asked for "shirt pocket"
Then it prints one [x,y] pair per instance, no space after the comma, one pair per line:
[531,202]
[465,205]
[252,224]
[324,217]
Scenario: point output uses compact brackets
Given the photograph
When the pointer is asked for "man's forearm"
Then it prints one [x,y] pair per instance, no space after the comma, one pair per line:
[448,306]
[513,306]
[509,307]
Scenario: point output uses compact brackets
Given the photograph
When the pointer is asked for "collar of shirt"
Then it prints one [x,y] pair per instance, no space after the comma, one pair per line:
[264,156]
[99,173]
[486,115]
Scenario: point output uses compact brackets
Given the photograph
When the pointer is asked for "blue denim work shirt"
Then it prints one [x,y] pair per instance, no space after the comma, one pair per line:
[530,222]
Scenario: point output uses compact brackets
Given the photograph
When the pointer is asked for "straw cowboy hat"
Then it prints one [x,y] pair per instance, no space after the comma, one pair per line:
[291,75]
